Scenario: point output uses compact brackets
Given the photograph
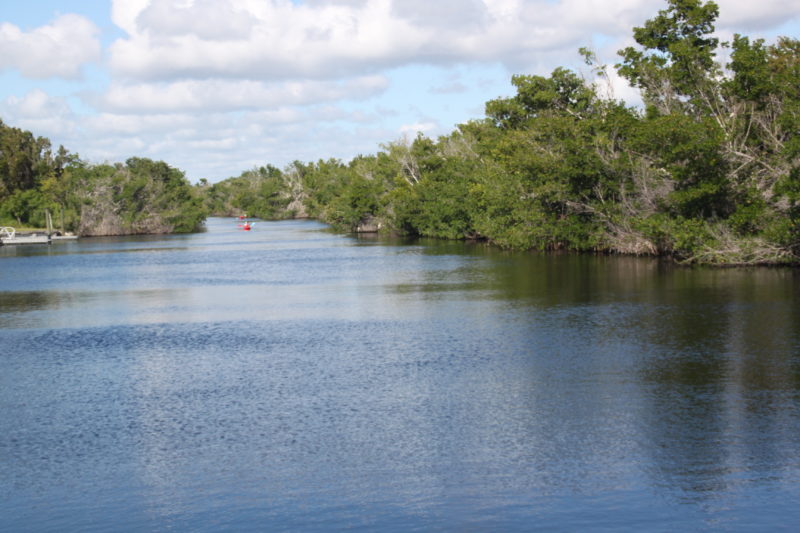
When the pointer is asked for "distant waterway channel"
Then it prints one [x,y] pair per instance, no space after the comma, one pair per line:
[292,379]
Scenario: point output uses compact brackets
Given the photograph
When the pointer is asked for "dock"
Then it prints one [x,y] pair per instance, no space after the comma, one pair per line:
[25,239]
[55,238]
[9,235]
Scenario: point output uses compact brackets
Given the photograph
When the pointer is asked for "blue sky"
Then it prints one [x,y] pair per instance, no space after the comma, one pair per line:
[215,87]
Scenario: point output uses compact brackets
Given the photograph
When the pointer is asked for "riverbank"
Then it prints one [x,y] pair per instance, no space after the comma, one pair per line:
[292,379]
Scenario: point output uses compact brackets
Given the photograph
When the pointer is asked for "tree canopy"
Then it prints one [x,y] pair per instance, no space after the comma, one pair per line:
[139,196]
[706,171]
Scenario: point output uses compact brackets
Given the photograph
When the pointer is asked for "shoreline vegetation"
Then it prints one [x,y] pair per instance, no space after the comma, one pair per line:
[706,172]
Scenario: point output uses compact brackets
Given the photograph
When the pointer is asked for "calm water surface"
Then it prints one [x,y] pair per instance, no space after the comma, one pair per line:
[290,379]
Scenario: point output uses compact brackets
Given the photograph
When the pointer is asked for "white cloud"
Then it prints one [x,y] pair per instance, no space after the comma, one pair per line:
[217,86]
[214,20]
[450,87]
[274,39]
[459,14]
[125,12]
[58,49]
[39,113]
[220,95]
[417,127]
[284,41]
[214,145]
[37,104]
[110,124]
[270,40]
[756,16]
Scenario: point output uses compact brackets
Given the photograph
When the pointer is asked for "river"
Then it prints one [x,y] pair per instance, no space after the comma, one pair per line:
[292,379]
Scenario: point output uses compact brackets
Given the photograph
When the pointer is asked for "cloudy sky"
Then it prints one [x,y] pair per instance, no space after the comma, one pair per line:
[215,87]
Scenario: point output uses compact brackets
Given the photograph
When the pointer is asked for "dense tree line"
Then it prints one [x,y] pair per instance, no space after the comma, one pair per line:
[707,171]
[137,197]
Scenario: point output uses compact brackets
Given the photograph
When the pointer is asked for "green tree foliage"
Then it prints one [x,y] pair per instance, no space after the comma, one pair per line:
[562,93]
[431,196]
[675,66]
[141,196]
[24,160]
[29,173]
[261,192]
[708,171]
